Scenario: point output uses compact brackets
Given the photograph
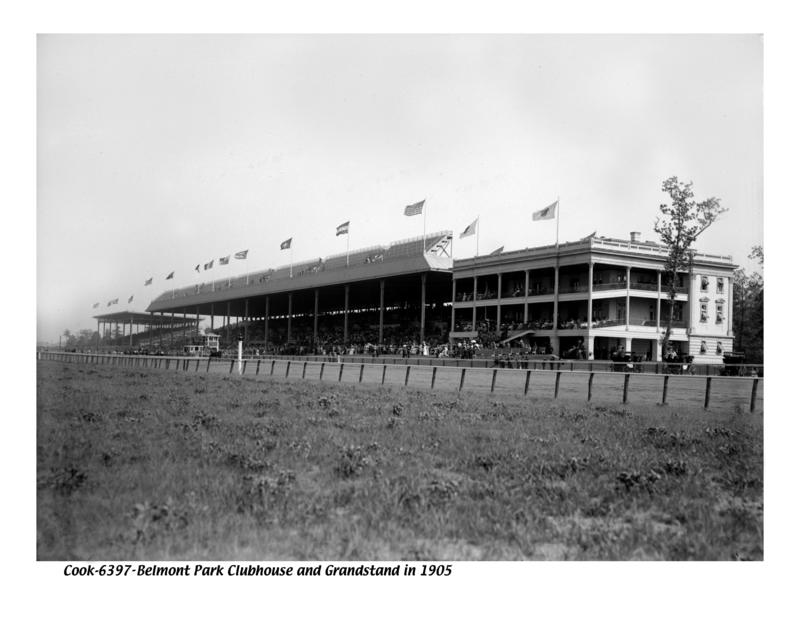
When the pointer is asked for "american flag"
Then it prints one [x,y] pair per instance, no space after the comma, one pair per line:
[344,228]
[224,260]
[241,255]
[414,209]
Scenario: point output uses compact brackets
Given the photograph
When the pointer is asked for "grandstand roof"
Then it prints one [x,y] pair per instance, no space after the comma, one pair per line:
[133,317]
[381,261]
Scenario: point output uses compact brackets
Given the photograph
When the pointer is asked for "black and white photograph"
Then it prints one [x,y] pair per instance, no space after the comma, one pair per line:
[385,305]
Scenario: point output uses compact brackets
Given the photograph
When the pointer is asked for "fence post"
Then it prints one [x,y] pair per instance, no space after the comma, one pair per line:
[664,392]
[288,366]
[494,377]
[361,373]
[625,388]
[527,380]
[753,395]
[433,377]
[383,377]
[272,367]
[305,363]
[408,371]
[244,366]
[321,369]
[258,366]
[167,367]
[197,366]
[591,379]
[208,364]
[341,368]
[558,380]
[231,369]
[463,374]
[708,393]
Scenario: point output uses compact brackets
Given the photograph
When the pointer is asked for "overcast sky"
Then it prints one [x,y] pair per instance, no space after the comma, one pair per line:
[156,153]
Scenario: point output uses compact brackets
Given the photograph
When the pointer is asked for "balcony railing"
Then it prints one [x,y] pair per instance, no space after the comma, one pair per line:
[573,289]
[540,291]
[617,285]
[640,285]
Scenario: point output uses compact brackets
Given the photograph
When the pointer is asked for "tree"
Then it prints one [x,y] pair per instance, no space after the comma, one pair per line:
[678,228]
[748,309]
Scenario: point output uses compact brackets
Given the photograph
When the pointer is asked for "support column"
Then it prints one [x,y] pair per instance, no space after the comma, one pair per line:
[316,318]
[212,316]
[197,321]
[228,323]
[555,300]
[730,308]
[130,336]
[346,309]
[589,337]
[422,310]
[628,299]
[474,301]
[628,344]
[266,322]
[171,324]
[246,318]
[289,321]
[657,355]
[525,307]
[453,309]
[380,315]
[99,337]
[499,291]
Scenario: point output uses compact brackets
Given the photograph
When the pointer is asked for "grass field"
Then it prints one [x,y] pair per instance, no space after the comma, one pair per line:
[147,464]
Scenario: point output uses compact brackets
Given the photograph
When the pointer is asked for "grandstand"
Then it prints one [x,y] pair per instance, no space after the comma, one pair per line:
[401,291]
[144,330]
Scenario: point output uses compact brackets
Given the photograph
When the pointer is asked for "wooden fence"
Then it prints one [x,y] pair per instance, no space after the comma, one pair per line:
[717,392]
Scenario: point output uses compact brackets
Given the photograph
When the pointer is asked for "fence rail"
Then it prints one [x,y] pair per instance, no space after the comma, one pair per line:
[718,392]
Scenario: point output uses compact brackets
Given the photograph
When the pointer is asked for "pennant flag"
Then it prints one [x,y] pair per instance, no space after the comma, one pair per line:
[344,228]
[149,281]
[241,255]
[546,213]
[470,229]
[414,209]
[171,275]
[592,235]
[224,261]
[197,268]
[95,306]
[208,265]
[286,244]
[498,251]
[130,300]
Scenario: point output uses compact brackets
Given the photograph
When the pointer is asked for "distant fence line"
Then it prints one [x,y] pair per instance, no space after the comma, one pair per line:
[719,391]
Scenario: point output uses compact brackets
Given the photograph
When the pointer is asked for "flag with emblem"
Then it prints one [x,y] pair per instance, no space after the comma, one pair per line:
[286,244]
[470,229]
[546,213]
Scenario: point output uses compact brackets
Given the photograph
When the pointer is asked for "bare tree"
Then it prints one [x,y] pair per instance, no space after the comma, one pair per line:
[678,227]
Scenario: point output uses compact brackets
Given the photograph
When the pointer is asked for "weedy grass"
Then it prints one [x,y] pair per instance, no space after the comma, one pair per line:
[149,465]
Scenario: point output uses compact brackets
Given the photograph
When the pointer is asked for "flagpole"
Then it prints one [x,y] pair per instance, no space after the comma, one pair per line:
[477,236]
[558,217]
[291,260]
[348,246]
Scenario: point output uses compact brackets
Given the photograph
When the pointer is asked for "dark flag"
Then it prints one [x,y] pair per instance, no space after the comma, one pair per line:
[130,300]
[414,209]
[171,275]
[149,281]
[344,228]
[241,255]
[286,244]
[225,260]
[498,251]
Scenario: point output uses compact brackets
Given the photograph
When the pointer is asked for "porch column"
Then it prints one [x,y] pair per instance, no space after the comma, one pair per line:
[499,290]
[474,300]
[628,344]
[130,335]
[525,307]
[555,301]
[266,322]
[422,310]
[228,323]
[197,320]
[346,309]
[380,315]
[730,308]
[171,324]
[246,318]
[453,309]
[657,355]
[316,317]
[589,309]
[289,321]
[628,299]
